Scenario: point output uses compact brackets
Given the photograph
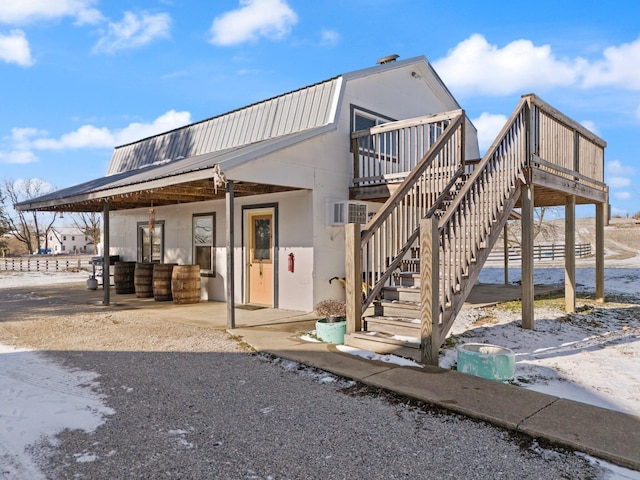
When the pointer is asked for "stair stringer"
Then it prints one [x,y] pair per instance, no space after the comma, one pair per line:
[451,311]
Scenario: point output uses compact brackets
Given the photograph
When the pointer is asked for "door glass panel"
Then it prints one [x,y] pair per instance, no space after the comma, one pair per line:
[262,239]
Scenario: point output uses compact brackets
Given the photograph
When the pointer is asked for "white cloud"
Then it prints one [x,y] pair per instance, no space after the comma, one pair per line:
[590,125]
[255,18]
[25,140]
[86,136]
[622,195]
[475,66]
[15,12]
[615,167]
[618,182]
[14,48]
[165,122]
[134,31]
[620,67]
[638,112]
[18,157]
[488,126]
[330,37]
[618,176]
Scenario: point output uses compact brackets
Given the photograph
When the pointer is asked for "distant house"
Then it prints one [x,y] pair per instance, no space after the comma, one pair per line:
[66,240]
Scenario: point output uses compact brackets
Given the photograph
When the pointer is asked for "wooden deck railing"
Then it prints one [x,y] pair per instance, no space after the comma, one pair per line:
[484,200]
[387,153]
[393,230]
[536,136]
[563,147]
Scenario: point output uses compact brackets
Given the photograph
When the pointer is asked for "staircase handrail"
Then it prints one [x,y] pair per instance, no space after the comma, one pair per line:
[375,280]
[407,184]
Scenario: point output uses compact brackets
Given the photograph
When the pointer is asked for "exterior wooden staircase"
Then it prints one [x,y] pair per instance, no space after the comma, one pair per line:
[420,255]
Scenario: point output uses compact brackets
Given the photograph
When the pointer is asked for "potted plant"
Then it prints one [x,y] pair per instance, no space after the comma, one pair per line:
[331,324]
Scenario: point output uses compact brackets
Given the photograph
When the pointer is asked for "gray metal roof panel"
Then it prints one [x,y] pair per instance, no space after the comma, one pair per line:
[135,180]
[274,117]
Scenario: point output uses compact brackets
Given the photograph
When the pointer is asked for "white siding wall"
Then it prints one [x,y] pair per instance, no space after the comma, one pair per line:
[295,236]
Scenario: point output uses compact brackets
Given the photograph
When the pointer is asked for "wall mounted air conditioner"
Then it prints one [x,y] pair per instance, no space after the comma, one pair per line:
[340,213]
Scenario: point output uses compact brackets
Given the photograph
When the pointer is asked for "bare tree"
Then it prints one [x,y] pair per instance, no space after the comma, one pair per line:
[540,227]
[89,223]
[4,226]
[27,227]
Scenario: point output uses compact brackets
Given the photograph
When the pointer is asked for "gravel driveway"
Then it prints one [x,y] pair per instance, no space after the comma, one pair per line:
[191,403]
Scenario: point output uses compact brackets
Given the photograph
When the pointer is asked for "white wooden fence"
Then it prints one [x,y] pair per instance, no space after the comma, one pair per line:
[46,264]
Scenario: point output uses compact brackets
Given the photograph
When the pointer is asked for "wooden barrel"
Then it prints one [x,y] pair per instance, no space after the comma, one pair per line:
[162,281]
[185,284]
[123,277]
[143,280]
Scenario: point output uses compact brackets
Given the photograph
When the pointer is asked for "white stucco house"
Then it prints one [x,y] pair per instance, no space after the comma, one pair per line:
[289,164]
[372,176]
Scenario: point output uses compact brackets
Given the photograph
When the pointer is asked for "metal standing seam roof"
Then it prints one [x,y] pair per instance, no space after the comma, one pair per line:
[191,152]
[293,112]
[198,167]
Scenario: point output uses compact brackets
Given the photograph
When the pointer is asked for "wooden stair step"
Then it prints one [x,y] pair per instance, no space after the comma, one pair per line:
[398,309]
[403,294]
[383,344]
[403,326]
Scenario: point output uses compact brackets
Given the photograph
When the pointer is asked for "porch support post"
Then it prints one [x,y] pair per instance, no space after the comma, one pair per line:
[570,254]
[106,267]
[527,255]
[429,291]
[505,246]
[230,241]
[353,287]
[601,215]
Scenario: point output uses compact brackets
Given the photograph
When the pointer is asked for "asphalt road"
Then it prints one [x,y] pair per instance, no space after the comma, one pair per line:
[234,415]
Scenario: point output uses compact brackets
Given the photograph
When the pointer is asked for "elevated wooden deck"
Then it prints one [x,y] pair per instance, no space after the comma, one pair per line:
[452,212]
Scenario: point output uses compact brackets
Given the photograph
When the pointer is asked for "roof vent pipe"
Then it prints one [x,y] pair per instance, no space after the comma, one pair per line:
[387,59]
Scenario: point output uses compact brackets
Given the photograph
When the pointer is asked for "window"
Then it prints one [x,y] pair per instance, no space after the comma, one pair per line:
[151,243]
[64,237]
[73,238]
[204,242]
[363,119]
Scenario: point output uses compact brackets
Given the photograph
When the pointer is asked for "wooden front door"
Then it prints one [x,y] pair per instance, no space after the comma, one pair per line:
[260,258]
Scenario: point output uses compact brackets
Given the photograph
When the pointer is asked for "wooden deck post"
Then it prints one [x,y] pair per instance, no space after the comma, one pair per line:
[230,241]
[106,266]
[527,256]
[429,291]
[353,272]
[505,246]
[570,254]
[601,215]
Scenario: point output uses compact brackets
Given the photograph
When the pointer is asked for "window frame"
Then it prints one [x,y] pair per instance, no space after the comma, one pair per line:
[212,244]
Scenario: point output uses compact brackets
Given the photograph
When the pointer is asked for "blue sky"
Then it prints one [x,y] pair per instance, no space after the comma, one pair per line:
[79,77]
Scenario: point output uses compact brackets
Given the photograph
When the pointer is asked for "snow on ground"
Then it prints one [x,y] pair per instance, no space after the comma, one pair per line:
[39,400]
[590,356]
[10,278]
